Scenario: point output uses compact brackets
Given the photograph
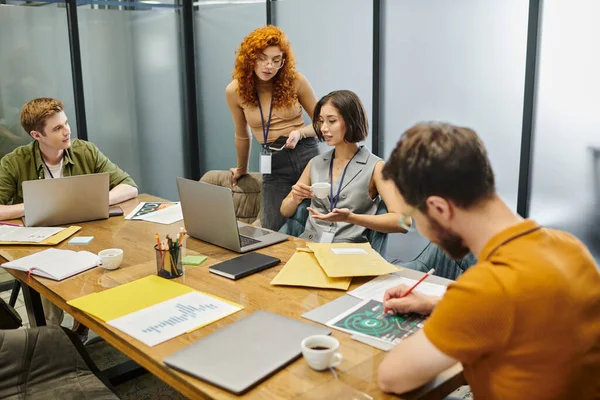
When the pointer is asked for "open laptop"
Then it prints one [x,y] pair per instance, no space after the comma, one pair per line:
[246,352]
[60,201]
[209,215]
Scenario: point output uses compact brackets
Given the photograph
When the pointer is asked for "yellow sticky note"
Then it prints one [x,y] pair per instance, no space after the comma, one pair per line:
[130,297]
[350,259]
[303,269]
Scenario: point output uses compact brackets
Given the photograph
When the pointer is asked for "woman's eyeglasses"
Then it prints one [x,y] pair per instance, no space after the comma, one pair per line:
[277,64]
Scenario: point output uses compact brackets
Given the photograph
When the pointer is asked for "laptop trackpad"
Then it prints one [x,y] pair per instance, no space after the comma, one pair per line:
[252,231]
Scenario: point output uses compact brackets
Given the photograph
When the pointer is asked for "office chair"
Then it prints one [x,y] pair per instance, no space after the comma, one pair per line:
[15,292]
[434,257]
[49,362]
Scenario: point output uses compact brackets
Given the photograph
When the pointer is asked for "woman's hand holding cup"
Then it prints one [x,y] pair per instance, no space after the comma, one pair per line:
[300,191]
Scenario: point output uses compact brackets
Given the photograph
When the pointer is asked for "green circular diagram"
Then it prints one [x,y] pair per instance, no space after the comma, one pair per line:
[365,323]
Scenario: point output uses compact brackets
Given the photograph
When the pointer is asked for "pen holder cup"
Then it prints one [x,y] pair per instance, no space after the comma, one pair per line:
[168,262]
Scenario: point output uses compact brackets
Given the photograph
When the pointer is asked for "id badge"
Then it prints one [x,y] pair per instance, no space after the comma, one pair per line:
[265,162]
[327,237]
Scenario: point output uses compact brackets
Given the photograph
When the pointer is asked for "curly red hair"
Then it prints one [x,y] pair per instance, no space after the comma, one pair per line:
[251,47]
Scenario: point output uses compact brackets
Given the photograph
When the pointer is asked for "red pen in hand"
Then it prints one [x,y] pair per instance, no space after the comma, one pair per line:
[431,271]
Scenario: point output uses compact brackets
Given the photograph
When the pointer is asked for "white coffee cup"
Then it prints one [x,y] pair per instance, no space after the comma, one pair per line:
[320,352]
[320,189]
[111,258]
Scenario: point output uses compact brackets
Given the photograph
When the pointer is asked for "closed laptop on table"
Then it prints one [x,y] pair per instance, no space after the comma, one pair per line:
[245,352]
[60,201]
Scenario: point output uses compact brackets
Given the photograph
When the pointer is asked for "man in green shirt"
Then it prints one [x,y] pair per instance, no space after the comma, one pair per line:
[53,155]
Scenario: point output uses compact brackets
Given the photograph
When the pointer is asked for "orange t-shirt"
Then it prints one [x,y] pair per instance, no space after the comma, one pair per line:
[525,320]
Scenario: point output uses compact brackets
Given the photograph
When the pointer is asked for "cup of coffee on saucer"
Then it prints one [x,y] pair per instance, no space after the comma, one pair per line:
[320,352]
[320,189]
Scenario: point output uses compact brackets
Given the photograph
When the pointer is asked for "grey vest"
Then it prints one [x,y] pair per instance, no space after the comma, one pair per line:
[354,196]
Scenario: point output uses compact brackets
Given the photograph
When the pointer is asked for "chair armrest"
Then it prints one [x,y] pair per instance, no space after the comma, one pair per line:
[378,240]
[296,224]
[9,318]
[434,257]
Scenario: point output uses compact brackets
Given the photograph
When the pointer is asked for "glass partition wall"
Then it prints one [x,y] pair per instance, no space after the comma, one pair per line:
[462,62]
[132,79]
[220,28]
[34,62]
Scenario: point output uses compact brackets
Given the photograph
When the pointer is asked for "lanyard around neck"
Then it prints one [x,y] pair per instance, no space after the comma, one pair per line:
[48,168]
[265,127]
[334,200]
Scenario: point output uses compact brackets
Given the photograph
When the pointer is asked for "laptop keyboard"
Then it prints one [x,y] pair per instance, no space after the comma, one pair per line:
[247,241]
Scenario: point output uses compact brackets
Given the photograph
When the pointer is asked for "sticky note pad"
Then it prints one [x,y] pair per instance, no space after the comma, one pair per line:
[193,260]
[81,240]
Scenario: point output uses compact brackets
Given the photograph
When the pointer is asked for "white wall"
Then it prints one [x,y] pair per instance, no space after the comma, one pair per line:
[566,147]
[462,62]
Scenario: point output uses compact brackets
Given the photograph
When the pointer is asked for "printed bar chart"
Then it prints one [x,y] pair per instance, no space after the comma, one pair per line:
[187,313]
[171,318]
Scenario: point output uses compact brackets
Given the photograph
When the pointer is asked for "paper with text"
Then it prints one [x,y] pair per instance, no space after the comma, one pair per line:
[23,234]
[375,288]
[165,216]
[159,212]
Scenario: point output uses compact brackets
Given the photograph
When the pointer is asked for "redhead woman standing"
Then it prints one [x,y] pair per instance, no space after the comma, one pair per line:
[268,95]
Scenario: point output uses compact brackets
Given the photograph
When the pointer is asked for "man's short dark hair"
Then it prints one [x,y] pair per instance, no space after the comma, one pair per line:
[440,159]
[350,109]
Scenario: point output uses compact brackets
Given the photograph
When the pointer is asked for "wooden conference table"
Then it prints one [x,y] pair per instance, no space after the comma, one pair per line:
[356,374]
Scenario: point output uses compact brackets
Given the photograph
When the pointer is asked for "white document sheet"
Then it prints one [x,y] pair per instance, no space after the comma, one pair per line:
[376,288]
[23,234]
[159,212]
[171,318]
[165,216]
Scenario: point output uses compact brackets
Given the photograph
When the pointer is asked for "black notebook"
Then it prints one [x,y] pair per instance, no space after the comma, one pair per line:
[245,265]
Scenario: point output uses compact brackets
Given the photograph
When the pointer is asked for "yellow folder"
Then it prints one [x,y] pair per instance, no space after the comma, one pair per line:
[131,297]
[350,259]
[303,269]
[52,240]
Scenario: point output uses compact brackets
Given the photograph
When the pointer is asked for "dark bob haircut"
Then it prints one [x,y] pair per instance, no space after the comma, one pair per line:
[351,110]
